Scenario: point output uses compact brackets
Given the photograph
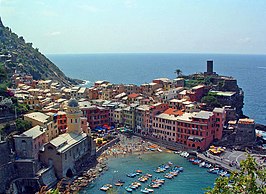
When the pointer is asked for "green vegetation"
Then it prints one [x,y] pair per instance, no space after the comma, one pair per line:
[178,72]
[20,127]
[250,180]
[211,101]
[197,80]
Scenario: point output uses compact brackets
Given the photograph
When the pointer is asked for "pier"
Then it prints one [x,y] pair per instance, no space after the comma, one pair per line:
[217,162]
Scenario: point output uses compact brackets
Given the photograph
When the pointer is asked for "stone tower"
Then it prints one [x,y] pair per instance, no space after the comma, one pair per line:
[73,117]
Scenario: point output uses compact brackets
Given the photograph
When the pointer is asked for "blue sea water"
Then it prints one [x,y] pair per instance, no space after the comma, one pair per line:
[249,70]
[192,181]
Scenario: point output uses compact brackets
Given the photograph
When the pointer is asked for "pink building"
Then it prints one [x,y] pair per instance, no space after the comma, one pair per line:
[29,143]
[196,93]
[195,130]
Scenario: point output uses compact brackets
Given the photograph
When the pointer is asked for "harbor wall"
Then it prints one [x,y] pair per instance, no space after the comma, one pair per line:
[222,163]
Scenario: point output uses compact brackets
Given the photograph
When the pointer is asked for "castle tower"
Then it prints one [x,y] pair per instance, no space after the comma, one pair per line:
[73,117]
[210,67]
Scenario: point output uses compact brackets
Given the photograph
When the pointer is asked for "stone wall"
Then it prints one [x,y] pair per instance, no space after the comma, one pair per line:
[7,170]
[7,174]
[4,153]
[47,177]
[26,168]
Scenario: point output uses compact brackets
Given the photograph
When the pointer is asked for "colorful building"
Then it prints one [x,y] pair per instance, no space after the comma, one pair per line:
[195,130]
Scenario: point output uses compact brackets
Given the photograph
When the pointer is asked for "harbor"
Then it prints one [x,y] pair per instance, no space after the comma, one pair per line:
[134,165]
[189,181]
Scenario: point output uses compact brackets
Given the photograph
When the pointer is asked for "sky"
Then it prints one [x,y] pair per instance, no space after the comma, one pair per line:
[139,26]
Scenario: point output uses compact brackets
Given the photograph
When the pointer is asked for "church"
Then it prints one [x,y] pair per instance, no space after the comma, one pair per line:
[70,151]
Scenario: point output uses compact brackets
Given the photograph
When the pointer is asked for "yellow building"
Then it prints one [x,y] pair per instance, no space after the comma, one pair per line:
[48,122]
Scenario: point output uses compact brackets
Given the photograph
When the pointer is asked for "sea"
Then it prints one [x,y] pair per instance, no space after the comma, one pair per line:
[249,70]
[194,180]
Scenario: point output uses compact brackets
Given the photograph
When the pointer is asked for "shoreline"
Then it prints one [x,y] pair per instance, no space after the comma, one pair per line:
[125,147]
[134,146]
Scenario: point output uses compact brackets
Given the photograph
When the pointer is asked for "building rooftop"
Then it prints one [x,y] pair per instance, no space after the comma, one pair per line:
[134,95]
[65,141]
[246,121]
[84,104]
[202,114]
[163,79]
[221,93]
[82,90]
[197,87]
[218,110]
[38,116]
[34,132]
[172,111]
[143,107]
[184,117]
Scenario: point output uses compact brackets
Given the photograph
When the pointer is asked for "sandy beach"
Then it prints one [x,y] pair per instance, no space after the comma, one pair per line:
[125,147]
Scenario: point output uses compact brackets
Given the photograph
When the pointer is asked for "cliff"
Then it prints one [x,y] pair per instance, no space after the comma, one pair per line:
[15,53]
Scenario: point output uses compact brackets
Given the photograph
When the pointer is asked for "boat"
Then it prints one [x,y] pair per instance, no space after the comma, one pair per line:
[104,188]
[144,191]
[133,187]
[169,176]
[213,170]
[202,164]
[143,178]
[175,173]
[170,163]
[131,175]
[223,173]
[196,162]
[137,184]
[178,168]
[150,190]
[159,150]
[154,185]
[149,175]
[128,189]
[158,180]
[138,171]
[184,154]
[118,183]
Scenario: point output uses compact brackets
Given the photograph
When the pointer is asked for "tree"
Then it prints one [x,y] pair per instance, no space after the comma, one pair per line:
[211,101]
[251,179]
[178,72]
[22,125]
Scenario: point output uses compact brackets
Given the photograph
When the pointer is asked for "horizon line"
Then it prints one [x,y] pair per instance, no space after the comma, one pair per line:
[195,53]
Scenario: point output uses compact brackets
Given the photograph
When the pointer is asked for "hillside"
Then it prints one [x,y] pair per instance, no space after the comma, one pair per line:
[15,53]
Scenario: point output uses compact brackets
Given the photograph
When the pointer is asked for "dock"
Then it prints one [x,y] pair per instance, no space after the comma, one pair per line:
[217,162]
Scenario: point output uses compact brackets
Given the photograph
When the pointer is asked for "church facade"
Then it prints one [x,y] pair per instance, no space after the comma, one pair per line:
[67,152]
